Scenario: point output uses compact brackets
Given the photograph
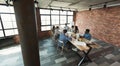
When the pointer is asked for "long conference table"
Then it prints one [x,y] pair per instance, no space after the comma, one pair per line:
[84,46]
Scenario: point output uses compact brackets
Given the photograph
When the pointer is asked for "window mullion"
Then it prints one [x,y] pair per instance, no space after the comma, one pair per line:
[2,27]
[59,17]
[67,17]
[50,19]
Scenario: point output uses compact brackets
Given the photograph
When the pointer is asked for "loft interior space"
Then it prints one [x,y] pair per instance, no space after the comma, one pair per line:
[59,32]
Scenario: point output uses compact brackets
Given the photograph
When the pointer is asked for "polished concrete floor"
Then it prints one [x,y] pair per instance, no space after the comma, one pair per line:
[105,55]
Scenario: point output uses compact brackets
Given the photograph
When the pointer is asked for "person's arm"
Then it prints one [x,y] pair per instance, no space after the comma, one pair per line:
[90,37]
[87,36]
[68,38]
[84,36]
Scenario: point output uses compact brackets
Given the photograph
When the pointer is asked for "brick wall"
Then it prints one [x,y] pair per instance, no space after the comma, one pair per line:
[104,23]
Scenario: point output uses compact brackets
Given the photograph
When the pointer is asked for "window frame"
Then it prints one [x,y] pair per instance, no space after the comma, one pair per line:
[13,21]
[51,24]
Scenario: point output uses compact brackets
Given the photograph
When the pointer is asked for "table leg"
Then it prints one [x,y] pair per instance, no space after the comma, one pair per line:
[85,56]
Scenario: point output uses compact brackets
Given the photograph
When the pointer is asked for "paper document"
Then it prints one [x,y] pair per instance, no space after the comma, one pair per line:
[80,43]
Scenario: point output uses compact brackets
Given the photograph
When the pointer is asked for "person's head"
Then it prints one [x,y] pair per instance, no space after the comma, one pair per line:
[87,30]
[64,31]
[72,26]
[76,28]
[65,24]
[53,27]
[57,27]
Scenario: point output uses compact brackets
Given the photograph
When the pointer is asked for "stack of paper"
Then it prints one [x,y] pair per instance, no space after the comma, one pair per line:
[80,43]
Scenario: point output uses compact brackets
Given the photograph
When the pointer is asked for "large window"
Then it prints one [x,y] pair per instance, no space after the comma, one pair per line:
[45,20]
[44,11]
[54,17]
[8,26]
[6,9]
[1,34]
[63,12]
[70,13]
[63,19]
[0,26]
[70,18]
[54,12]
[10,22]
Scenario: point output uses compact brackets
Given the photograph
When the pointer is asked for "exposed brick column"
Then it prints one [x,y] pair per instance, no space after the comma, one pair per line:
[74,17]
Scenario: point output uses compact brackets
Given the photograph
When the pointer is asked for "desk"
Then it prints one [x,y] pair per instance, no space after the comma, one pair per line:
[83,48]
[85,45]
[80,47]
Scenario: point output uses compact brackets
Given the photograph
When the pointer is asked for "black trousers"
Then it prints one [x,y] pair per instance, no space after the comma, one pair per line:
[69,45]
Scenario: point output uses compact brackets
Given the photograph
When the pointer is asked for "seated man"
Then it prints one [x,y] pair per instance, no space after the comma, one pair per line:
[64,38]
[87,35]
[53,29]
[66,27]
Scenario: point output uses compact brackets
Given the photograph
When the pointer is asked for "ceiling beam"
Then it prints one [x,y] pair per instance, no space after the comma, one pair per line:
[103,2]
[75,3]
[49,5]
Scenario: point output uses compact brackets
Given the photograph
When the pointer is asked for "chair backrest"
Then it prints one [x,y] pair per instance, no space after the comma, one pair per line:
[60,41]
[56,36]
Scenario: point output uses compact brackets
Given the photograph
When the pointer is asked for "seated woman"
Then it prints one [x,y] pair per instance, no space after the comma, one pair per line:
[72,29]
[87,35]
[76,29]
[64,38]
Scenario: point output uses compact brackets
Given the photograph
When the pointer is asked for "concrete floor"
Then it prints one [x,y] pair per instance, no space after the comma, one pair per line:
[105,55]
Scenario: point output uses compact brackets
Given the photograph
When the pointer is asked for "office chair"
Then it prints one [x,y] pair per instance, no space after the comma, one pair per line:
[60,44]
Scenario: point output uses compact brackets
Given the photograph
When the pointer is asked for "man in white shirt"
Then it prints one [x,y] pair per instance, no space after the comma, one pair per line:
[66,27]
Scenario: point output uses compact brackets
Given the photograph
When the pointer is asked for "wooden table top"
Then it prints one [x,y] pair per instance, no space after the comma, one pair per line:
[80,47]
[84,48]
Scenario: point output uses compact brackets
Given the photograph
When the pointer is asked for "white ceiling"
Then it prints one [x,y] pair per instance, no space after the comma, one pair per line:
[74,4]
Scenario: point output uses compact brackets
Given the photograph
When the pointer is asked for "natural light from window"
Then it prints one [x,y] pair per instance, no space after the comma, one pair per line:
[54,17]
[8,24]
[10,50]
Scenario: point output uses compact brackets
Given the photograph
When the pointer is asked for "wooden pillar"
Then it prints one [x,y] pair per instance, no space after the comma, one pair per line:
[25,17]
